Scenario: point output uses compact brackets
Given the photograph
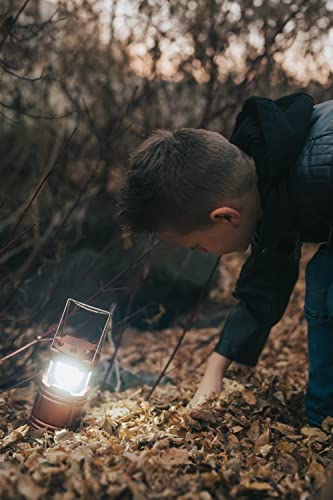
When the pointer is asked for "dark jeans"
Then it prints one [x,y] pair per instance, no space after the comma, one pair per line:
[318,309]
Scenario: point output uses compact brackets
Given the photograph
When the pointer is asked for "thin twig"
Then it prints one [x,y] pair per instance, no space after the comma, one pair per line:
[38,340]
[11,382]
[33,115]
[20,77]
[13,22]
[123,329]
[12,242]
[187,327]
[117,346]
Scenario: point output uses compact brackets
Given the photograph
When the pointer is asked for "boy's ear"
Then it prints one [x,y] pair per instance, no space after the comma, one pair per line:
[228,215]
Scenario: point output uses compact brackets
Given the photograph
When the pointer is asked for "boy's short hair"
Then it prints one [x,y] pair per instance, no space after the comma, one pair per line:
[176,179]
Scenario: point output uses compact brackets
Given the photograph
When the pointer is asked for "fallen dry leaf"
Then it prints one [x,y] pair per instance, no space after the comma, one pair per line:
[249,397]
[259,486]
[316,473]
[229,388]
[254,431]
[264,450]
[203,414]
[174,456]
[327,424]
[262,440]
[15,435]
[28,488]
[315,434]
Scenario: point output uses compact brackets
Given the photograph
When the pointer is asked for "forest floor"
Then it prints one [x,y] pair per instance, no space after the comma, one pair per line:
[251,442]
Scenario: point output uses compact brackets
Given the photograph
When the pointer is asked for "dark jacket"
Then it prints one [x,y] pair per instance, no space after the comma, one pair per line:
[291,142]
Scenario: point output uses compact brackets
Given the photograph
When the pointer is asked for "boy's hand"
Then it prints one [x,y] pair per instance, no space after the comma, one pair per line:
[212,379]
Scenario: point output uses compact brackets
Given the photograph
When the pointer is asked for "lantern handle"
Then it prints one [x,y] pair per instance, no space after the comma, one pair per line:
[106,328]
[92,308]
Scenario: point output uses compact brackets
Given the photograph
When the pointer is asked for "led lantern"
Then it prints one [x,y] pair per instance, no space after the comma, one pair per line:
[75,351]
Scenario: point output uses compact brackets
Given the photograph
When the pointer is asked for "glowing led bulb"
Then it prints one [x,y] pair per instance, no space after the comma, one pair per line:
[67,376]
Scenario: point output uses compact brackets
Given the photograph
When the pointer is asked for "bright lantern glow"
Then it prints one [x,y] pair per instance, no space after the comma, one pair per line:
[68,377]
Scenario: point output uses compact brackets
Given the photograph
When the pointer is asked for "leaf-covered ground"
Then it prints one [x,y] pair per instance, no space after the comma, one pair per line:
[251,442]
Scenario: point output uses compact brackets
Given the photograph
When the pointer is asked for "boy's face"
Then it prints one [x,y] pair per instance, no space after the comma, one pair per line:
[230,229]
[213,240]
[219,238]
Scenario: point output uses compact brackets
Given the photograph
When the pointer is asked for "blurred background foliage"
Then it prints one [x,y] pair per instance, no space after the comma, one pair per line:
[85,81]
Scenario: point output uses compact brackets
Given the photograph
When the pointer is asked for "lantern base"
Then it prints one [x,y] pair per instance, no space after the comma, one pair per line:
[54,409]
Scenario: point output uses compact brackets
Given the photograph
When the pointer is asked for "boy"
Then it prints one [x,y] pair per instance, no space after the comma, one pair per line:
[271,186]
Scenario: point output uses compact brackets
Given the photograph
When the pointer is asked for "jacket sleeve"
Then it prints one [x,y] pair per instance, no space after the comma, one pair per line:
[263,290]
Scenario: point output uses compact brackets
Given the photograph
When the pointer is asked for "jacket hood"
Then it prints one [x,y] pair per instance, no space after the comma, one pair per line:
[273,133]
